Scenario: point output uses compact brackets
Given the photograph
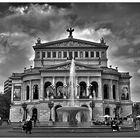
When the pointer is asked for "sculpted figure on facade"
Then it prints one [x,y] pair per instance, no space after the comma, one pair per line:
[125,95]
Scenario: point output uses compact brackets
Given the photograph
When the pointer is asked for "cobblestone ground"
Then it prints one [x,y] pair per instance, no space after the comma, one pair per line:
[7,132]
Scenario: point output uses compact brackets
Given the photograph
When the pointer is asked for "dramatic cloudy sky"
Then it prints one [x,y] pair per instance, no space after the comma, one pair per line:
[22,23]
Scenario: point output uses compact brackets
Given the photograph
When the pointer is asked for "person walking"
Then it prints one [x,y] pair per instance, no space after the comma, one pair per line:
[29,127]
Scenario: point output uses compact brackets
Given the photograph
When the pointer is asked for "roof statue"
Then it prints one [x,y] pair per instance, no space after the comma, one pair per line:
[102,41]
[38,41]
[70,30]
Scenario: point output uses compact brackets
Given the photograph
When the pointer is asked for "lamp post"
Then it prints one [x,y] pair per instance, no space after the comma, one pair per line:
[92,105]
[24,106]
[50,105]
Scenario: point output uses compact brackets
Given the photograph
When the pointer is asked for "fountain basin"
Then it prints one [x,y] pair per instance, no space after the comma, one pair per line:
[73,115]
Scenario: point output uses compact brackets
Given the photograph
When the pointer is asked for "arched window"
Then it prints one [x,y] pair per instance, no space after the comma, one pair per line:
[83,92]
[35,92]
[114,91]
[27,92]
[59,90]
[94,89]
[125,94]
[107,111]
[106,92]
[47,89]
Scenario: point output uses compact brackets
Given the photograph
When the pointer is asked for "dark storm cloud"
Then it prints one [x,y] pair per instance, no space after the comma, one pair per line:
[22,23]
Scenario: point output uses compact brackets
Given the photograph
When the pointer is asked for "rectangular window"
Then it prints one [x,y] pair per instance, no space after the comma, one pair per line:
[49,54]
[70,55]
[97,54]
[91,54]
[75,54]
[54,54]
[86,54]
[81,54]
[59,54]
[65,54]
[43,55]
[37,55]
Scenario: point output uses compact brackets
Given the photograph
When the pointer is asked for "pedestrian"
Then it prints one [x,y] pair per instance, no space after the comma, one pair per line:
[29,127]
[24,126]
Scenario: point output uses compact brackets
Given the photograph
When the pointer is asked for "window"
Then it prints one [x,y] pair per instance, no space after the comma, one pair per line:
[43,55]
[106,93]
[35,92]
[65,54]
[97,54]
[81,54]
[27,92]
[49,54]
[59,54]
[107,111]
[114,92]
[37,55]
[75,54]
[91,54]
[70,55]
[54,54]
[86,54]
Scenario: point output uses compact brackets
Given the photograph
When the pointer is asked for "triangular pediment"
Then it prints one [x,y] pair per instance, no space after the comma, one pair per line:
[67,65]
[69,42]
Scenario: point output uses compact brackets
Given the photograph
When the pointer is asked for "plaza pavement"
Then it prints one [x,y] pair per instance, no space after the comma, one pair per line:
[9,133]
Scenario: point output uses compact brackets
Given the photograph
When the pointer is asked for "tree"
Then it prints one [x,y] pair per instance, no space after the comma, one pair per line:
[5,101]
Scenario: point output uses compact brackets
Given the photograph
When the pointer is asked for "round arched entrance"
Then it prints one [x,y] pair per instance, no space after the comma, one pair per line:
[34,114]
[84,115]
[56,116]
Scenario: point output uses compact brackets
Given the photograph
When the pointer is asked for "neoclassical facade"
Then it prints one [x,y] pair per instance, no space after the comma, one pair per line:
[48,80]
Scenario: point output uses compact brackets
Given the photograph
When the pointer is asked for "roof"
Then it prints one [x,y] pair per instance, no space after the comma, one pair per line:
[69,42]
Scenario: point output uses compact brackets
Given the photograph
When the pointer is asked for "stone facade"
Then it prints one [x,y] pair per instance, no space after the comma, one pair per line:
[49,80]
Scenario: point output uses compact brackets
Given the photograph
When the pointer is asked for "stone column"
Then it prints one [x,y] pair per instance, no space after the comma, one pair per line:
[100,88]
[72,54]
[87,86]
[94,54]
[41,89]
[78,54]
[53,84]
[65,86]
[100,54]
[23,92]
[53,81]
[76,86]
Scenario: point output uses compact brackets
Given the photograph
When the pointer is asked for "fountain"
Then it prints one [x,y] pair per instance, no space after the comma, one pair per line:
[70,112]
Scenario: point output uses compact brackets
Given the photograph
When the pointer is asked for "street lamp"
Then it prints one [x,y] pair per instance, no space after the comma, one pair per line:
[24,106]
[92,105]
[50,105]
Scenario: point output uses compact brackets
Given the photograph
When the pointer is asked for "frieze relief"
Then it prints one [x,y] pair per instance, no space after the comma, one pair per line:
[71,44]
[67,67]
